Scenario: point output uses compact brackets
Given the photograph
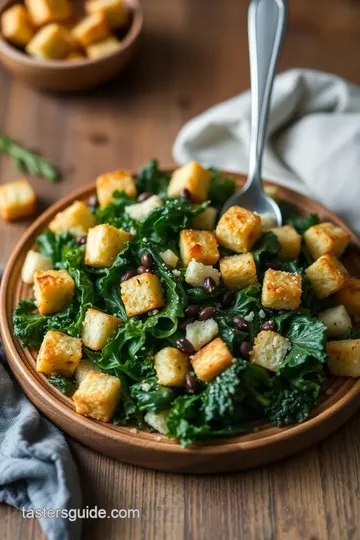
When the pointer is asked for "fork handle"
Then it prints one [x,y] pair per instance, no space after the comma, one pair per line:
[266,27]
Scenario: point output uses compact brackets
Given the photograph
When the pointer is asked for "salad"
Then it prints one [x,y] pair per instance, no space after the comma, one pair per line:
[151,310]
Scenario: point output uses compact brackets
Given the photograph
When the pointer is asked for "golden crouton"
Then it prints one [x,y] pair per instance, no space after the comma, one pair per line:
[205,221]
[349,296]
[141,294]
[281,290]
[34,261]
[58,353]
[200,333]
[192,177]
[51,42]
[17,200]
[107,183]
[327,275]
[238,229]
[169,257]
[98,396]
[53,290]
[48,11]
[273,192]
[115,11]
[336,320]
[171,367]
[211,360]
[16,26]
[344,357]
[196,273]
[91,29]
[103,48]
[75,55]
[290,242]
[199,245]
[98,328]
[82,369]
[76,219]
[238,271]
[104,243]
[270,349]
[141,210]
[326,237]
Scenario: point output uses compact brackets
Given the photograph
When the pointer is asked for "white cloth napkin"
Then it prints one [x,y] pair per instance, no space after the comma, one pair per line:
[313,143]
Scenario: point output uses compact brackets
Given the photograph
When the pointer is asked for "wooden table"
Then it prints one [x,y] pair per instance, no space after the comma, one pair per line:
[193,55]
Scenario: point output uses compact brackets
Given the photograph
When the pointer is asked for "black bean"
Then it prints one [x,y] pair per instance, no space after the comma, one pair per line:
[128,275]
[274,265]
[142,269]
[206,313]
[185,346]
[81,240]
[245,349]
[269,325]
[146,260]
[184,322]
[144,196]
[192,311]
[185,194]
[190,384]
[227,299]
[92,201]
[241,323]
[209,285]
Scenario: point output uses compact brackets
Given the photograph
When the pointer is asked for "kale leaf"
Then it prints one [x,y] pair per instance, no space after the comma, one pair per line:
[150,179]
[303,223]
[290,406]
[151,396]
[221,188]
[64,385]
[54,246]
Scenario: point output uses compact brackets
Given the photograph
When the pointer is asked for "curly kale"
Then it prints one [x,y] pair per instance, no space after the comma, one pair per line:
[290,406]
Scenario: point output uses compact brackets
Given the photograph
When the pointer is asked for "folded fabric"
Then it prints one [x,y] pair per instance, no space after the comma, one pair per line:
[36,466]
[313,141]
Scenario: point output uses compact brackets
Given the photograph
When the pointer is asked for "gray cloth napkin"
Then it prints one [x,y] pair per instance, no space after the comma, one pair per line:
[36,466]
[313,143]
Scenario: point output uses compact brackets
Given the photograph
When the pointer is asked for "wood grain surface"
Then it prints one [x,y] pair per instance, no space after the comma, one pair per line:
[193,54]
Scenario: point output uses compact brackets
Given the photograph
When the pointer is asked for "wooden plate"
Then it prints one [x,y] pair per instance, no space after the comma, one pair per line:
[266,444]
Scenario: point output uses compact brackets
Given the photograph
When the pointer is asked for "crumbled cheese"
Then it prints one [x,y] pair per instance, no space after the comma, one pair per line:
[267,221]
[157,438]
[146,387]
[197,272]
[142,210]
[169,257]
[262,314]
[199,333]
[176,273]
[157,421]
[133,430]
[250,317]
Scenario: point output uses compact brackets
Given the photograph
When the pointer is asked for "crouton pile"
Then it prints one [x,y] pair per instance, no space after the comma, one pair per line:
[208,263]
[53,31]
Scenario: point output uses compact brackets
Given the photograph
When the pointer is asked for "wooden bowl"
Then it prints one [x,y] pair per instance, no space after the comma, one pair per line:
[267,443]
[74,75]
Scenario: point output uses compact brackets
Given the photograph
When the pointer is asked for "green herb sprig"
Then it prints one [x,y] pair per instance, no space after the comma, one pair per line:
[27,161]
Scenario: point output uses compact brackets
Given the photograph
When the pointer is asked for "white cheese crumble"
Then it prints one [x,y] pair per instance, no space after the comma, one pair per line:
[262,314]
[176,273]
[169,257]
[250,317]
[146,387]
[197,272]
[157,421]
[133,430]
[199,333]
[141,210]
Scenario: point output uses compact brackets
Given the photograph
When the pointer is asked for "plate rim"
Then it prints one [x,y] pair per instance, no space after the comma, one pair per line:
[122,435]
